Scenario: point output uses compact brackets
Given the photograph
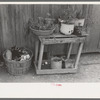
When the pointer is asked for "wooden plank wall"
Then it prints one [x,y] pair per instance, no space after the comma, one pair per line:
[14,19]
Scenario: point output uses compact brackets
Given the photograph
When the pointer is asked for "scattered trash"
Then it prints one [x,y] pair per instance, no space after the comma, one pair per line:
[17,54]
[46,63]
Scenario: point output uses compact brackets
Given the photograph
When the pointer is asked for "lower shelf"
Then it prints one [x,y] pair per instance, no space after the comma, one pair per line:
[55,71]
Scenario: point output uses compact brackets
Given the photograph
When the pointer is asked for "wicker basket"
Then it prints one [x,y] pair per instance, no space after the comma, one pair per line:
[18,67]
[42,32]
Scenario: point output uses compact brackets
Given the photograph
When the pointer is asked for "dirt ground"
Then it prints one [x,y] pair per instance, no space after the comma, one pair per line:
[88,71]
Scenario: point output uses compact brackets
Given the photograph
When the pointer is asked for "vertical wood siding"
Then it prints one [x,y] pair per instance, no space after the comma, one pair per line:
[14,19]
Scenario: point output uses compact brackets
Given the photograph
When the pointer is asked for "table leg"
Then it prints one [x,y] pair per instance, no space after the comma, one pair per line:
[78,54]
[40,56]
[36,50]
[69,50]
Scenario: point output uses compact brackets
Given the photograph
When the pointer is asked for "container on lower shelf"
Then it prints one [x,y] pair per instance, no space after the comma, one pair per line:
[56,63]
[68,63]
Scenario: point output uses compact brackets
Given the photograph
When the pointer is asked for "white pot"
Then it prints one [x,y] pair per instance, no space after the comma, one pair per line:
[67,29]
[78,22]
[56,64]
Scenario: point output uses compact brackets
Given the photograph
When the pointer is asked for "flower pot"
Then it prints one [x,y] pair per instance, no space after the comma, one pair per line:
[56,63]
[78,22]
[67,29]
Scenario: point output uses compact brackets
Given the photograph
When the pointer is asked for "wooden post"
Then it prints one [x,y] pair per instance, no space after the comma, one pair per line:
[36,50]
[78,54]
[48,52]
[40,56]
[69,50]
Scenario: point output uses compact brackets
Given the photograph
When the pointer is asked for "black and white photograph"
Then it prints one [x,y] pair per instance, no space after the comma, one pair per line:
[50,49]
[49,43]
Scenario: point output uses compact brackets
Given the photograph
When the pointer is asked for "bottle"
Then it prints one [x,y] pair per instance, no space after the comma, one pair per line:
[9,55]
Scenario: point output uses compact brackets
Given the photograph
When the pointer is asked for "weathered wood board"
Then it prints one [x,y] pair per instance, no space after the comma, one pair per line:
[14,19]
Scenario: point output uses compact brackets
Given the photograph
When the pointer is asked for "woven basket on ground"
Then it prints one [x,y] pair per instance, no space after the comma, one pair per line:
[18,67]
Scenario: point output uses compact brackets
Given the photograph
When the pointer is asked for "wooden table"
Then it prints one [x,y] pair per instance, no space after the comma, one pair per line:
[57,39]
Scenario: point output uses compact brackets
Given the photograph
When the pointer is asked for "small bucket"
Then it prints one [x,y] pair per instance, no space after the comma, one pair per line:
[67,29]
[56,63]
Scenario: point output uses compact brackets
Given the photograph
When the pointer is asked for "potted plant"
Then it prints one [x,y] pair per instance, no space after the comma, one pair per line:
[43,26]
[79,20]
[67,26]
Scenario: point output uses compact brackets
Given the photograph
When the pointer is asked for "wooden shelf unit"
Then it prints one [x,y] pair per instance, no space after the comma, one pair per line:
[57,39]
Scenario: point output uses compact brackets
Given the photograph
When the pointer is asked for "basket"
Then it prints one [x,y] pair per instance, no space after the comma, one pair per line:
[18,67]
[42,32]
